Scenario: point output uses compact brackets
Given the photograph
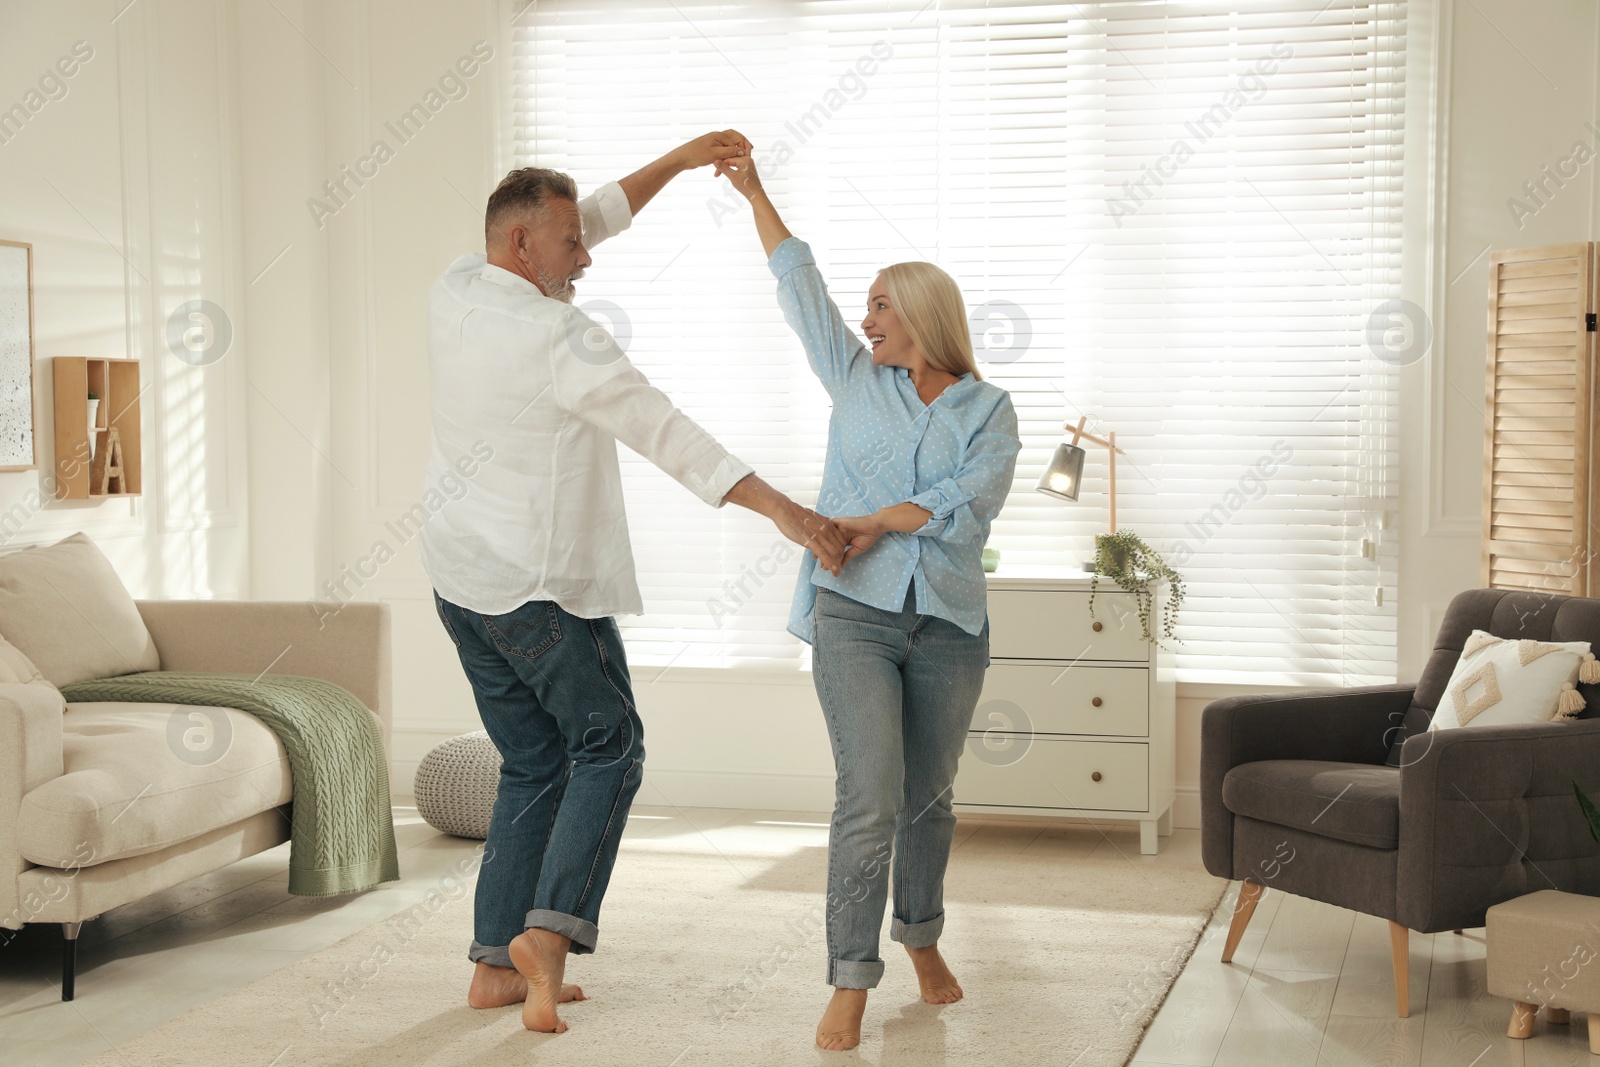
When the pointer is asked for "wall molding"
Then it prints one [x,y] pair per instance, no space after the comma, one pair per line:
[1437,522]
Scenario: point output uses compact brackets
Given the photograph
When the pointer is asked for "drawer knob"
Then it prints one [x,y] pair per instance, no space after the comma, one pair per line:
[1096,627]
[1096,702]
[1095,777]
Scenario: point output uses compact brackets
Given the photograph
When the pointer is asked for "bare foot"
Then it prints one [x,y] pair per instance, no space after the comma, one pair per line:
[495,987]
[840,1028]
[939,986]
[541,958]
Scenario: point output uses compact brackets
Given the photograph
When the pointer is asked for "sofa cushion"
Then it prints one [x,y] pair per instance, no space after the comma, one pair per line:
[1354,802]
[140,777]
[1499,681]
[18,669]
[65,608]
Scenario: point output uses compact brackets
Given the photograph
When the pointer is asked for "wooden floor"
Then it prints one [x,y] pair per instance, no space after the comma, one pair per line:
[153,960]
[1312,985]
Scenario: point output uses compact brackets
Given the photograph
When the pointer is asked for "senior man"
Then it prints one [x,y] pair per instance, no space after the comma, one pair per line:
[529,568]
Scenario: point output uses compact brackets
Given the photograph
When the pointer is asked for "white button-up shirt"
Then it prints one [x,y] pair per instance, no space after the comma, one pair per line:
[530,396]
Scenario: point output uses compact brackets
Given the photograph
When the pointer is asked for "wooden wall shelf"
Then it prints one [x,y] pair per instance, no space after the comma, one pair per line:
[116,383]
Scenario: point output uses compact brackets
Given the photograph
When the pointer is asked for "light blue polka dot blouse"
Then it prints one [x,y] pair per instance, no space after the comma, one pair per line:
[954,457]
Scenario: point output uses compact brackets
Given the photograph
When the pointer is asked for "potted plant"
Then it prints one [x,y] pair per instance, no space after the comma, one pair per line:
[1124,558]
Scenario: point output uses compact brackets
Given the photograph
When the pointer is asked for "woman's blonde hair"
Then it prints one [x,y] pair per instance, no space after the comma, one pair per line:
[928,302]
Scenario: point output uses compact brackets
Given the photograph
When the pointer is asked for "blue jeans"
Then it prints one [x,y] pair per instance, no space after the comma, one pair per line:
[898,690]
[554,694]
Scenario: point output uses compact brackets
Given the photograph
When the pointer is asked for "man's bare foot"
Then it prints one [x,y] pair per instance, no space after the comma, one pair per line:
[541,958]
[939,986]
[840,1028]
[495,987]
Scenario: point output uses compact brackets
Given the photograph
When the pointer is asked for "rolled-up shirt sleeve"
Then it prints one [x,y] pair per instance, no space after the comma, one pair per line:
[604,213]
[962,506]
[593,379]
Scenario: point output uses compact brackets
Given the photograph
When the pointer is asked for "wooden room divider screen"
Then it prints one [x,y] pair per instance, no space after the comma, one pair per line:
[1539,490]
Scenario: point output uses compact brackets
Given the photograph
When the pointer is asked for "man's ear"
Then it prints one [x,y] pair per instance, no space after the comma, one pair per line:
[516,238]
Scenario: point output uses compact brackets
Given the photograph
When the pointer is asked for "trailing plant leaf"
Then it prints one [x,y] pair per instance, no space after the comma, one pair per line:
[1124,558]
[1589,811]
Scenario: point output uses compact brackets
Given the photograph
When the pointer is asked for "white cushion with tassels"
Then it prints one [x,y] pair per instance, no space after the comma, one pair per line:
[1499,681]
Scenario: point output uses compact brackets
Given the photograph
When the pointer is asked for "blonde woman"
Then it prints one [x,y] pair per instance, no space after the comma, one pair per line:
[920,457]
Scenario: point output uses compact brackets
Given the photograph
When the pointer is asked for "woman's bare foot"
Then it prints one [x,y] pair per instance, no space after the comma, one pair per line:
[541,958]
[495,987]
[840,1028]
[939,986]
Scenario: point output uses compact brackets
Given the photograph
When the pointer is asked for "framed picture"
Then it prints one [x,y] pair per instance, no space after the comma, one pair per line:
[19,443]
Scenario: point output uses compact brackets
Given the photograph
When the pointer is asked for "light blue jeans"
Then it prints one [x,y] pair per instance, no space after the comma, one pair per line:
[898,690]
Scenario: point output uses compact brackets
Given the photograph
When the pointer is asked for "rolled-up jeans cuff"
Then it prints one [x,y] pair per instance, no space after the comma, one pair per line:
[581,932]
[917,935]
[855,974]
[494,956]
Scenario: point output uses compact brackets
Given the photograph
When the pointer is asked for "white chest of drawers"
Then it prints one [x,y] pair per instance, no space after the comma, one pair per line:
[1076,716]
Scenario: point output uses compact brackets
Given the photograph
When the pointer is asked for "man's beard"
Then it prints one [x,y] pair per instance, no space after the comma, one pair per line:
[562,291]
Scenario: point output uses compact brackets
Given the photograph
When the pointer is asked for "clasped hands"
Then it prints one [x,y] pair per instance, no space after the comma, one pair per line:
[712,148]
[729,152]
[833,541]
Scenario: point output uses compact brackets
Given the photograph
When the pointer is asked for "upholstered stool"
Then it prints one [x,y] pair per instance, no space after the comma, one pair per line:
[456,785]
[1544,950]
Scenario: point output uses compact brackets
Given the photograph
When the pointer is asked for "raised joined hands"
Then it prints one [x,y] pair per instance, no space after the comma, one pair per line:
[740,169]
[713,148]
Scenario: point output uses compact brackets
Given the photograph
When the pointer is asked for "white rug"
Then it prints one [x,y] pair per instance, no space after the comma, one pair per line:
[716,956]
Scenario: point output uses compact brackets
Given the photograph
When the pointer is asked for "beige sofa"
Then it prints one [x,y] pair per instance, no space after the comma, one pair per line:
[107,803]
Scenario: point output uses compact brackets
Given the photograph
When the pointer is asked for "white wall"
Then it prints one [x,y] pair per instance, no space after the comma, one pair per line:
[126,185]
[716,740]
[193,140]
[338,457]
[757,739]
[1518,87]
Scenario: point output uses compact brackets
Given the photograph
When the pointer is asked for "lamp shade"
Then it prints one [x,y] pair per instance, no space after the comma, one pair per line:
[1064,476]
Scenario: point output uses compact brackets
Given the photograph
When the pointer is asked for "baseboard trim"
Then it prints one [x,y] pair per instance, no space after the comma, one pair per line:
[736,789]
[690,789]
[665,787]
[1186,807]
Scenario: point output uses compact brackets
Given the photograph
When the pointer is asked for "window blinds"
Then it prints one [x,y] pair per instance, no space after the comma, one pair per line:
[1182,220]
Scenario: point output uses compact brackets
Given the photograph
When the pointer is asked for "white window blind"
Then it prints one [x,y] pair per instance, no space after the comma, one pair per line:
[1176,219]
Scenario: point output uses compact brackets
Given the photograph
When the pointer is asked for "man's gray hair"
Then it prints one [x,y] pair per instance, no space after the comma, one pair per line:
[525,192]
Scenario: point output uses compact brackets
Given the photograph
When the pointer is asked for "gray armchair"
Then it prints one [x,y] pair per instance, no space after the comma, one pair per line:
[1343,796]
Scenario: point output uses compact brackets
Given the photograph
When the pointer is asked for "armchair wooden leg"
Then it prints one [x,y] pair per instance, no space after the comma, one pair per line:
[1243,908]
[1521,1019]
[1558,1015]
[1594,1033]
[1400,949]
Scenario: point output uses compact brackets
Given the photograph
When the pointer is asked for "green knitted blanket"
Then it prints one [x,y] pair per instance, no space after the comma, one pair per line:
[342,836]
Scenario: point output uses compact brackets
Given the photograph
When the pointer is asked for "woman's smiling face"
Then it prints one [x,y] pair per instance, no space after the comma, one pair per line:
[891,344]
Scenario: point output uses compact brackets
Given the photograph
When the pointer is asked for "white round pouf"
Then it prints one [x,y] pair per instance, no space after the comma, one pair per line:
[456,785]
